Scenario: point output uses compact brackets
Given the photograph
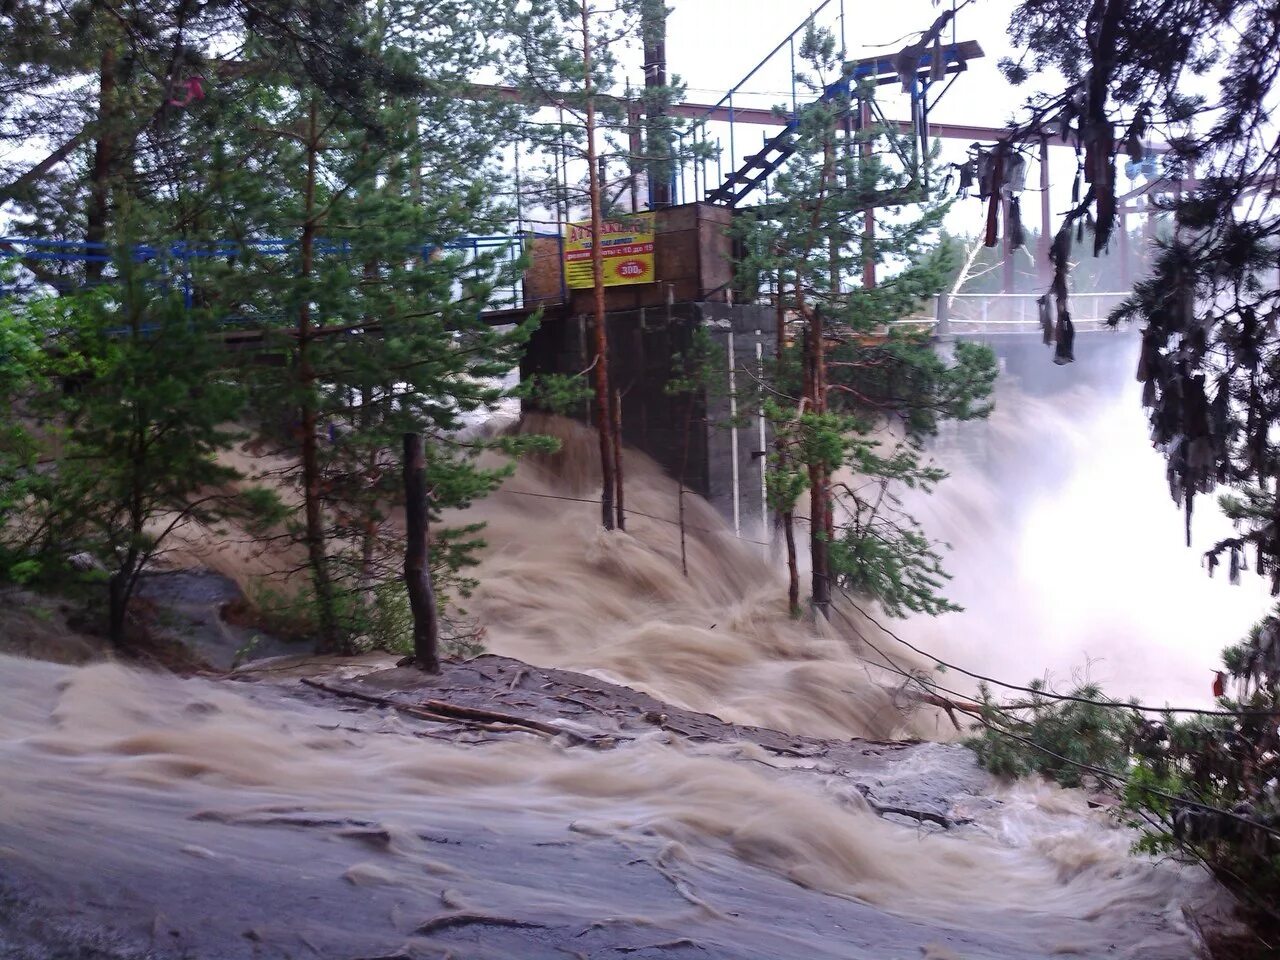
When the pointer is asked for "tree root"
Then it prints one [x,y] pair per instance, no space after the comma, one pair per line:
[450,921]
[438,711]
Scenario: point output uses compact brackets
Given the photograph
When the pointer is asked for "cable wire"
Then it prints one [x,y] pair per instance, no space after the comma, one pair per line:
[1114,704]
[1100,772]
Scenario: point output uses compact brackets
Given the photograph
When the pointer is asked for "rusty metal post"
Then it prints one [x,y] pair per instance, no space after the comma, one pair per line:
[1007,248]
[1123,247]
[1046,227]
[869,215]
[657,142]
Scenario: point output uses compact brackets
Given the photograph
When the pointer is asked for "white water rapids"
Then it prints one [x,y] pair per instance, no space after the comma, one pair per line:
[200,818]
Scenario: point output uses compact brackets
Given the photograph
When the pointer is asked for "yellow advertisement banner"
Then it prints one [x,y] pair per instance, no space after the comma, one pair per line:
[626,245]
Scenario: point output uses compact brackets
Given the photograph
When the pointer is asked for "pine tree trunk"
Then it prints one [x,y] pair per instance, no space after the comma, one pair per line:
[117,609]
[787,517]
[793,567]
[617,459]
[103,164]
[604,419]
[820,523]
[819,505]
[329,640]
[417,557]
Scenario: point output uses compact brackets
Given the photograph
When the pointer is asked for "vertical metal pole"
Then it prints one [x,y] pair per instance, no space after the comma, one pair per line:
[733,435]
[704,160]
[795,104]
[1046,228]
[635,151]
[693,164]
[662,172]
[869,215]
[762,459]
[562,176]
[515,146]
[677,179]
[844,46]
[1125,270]
[1006,204]
[733,153]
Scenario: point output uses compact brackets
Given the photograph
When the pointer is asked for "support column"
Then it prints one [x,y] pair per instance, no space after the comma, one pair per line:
[1007,247]
[657,138]
[1043,267]
[869,215]
[1126,272]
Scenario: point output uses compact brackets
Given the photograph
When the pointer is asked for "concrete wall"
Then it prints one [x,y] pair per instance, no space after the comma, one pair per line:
[689,435]
[737,440]
[693,262]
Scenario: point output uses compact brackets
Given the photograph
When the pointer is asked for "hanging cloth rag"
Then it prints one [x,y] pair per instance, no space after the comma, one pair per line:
[993,205]
[1046,319]
[1065,335]
[937,62]
[968,173]
[1016,175]
[1017,236]
[193,90]
[907,63]
[985,166]
[1064,122]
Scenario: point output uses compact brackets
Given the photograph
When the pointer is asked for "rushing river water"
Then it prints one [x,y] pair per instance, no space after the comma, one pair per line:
[201,818]
[209,819]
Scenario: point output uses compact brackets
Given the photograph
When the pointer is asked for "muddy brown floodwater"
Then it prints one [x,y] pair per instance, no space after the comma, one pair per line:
[143,813]
[720,805]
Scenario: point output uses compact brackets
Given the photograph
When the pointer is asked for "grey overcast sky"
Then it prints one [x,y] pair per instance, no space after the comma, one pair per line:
[711,44]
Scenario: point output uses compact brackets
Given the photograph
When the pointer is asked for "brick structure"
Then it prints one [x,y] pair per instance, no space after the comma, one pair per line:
[650,327]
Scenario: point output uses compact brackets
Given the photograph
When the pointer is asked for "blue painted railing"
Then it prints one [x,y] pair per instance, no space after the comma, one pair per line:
[176,257]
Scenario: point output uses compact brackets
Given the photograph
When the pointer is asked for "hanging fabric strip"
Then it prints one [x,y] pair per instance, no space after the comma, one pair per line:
[1046,319]
[1016,178]
[1017,236]
[1065,335]
[937,63]
[993,208]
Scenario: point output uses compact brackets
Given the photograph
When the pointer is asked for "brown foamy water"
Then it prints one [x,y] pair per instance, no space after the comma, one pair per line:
[223,819]
[235,816]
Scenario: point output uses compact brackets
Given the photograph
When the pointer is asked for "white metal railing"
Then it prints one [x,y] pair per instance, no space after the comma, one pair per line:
[1016,312]
[999,313]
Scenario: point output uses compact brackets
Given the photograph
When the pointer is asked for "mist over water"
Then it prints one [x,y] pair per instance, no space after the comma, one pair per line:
[556,590]
[1069,554]
[229,818]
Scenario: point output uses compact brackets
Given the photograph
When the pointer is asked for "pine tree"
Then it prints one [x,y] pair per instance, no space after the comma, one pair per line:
[131,444]
[567,55]
[1208,308]
[379,311]
[109,99]
[844,375]
[316,193]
